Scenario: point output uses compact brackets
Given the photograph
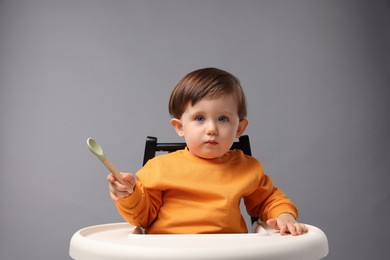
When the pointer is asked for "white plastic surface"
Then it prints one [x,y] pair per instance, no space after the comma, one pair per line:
[119,241]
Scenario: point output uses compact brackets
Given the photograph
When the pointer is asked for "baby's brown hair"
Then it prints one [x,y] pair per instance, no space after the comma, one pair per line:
[206,83]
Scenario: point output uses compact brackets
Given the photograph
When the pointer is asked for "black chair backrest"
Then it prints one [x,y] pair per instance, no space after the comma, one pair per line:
[152,146]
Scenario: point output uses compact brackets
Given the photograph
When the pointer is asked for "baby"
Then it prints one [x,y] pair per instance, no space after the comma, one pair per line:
[199,189]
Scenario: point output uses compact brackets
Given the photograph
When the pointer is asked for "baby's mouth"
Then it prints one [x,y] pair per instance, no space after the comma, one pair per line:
[211,142]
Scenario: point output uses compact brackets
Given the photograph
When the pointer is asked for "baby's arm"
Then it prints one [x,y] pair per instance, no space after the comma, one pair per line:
[271,204]
[139,207]
[286,223]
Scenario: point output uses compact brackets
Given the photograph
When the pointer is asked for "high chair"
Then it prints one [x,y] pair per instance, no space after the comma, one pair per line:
[119,241]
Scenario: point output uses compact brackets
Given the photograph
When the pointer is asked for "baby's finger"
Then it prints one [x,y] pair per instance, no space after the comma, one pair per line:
[118,194]
[119,187]
[110,178]
[305,228]
[273,223]
[113,197]
[301,228]
[283,229]
[291,228]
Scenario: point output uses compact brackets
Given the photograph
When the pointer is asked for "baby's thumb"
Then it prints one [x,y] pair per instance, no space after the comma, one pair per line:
[129,181]
[273,223]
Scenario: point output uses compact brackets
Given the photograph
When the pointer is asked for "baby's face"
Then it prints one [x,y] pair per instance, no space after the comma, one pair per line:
[210,126]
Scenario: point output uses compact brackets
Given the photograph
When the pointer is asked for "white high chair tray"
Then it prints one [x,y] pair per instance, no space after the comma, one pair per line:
[118,241]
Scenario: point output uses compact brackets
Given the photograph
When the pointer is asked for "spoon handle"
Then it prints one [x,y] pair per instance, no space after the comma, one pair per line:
[115,172]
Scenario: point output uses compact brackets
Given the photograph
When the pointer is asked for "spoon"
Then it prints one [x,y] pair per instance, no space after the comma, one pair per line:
[97,150]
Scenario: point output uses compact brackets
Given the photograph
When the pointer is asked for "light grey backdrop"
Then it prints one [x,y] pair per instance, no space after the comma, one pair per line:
[316,74]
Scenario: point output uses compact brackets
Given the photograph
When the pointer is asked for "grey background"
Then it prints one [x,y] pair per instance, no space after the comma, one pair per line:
[316,74]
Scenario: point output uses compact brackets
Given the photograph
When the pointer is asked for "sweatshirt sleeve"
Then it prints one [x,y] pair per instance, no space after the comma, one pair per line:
[141,207]
[268,201]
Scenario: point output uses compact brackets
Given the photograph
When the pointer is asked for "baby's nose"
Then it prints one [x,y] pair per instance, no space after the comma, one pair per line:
[211,128]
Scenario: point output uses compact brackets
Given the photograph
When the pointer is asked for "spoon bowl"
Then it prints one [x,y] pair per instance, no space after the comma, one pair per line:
[96,148]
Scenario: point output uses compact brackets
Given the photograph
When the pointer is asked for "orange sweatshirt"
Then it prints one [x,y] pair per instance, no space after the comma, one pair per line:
[181,193]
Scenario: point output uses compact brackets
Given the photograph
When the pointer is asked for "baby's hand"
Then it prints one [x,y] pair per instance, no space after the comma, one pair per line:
[286,223]
[118,190]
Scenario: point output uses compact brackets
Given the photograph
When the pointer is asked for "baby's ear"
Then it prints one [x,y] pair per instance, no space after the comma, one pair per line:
[177,124]
[241,127]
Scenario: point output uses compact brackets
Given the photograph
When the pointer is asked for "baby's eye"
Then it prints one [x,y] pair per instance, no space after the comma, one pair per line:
[199,118]
[223,119]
